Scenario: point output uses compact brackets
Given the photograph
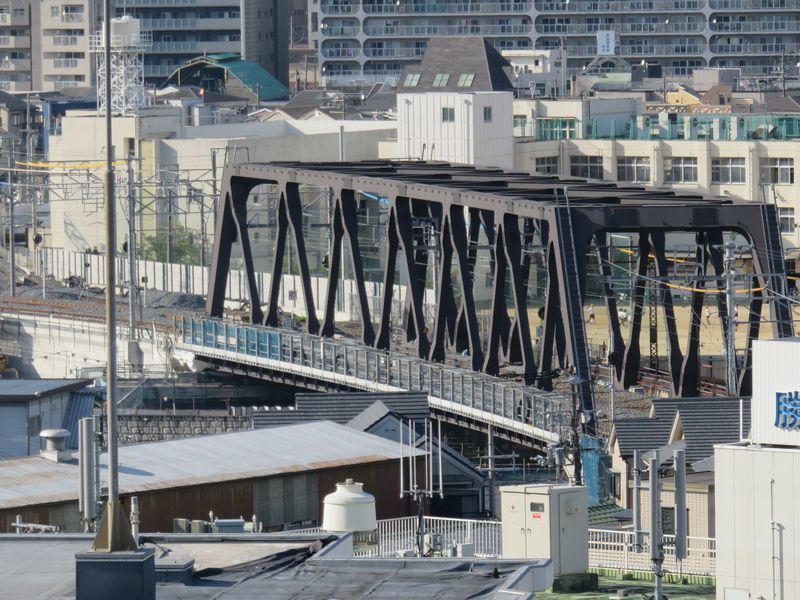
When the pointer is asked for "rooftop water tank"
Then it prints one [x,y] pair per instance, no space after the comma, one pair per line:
[125,32]
[351,509]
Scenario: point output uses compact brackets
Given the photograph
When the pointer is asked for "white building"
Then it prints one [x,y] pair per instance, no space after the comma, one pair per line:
[176,160]
[757,514]
[742,156]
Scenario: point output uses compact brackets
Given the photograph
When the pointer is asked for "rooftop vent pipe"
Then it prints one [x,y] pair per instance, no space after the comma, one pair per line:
[55,445]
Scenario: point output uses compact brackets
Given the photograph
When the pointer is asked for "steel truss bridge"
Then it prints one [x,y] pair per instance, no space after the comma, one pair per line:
[568,218]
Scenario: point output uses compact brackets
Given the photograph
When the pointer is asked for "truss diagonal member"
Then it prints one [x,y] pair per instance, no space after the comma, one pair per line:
[383,339]
[690,370]
[294,211]
[617,344]
[467,310]
[348,214]
[238,200]
[658,241]
[273,308]
[633,355]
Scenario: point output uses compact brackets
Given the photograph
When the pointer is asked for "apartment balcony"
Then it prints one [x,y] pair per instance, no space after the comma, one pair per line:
[195,46]
[445,8]
[753,4]
[415,53]
[189,24]
[11,20]
[623,28]
[338,9]
[72,18]
[648,50]
[65,40]
[159,70]
[15,64]
[433,30]
[620,6]
[754,26]
[15,86]
[61,64]
[341,52]
[347,79]
[754,48]
[145,3]
[15,41]
[339,30]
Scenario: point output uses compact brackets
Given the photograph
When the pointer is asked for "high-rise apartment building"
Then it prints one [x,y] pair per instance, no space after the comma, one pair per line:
[375,38]
[44,45]
[258,30]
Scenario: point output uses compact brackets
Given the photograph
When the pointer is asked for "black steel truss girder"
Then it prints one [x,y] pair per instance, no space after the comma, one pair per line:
[497,201]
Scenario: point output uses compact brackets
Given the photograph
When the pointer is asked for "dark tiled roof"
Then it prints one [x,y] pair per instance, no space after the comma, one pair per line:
[12,102]
[455,56]
[641,433]
[709,421]
[342,407]
[705,422]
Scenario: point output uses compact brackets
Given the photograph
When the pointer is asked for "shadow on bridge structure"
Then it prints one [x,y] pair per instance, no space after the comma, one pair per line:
[436,218]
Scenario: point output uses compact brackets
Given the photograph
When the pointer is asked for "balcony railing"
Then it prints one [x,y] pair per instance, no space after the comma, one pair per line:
[745,26]
[168,23]
[338,31]
[65,40]
[65,63]
[592,6]
[72,17]
[433,29]
[753,4]
[394,52]
[476,8]
[560,28]
[768,49]
[648,50]
[341,52]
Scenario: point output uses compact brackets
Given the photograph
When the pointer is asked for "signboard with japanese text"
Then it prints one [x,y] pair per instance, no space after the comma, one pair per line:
[606,43]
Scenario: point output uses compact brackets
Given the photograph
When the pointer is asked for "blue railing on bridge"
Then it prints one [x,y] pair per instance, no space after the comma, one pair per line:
[511,404]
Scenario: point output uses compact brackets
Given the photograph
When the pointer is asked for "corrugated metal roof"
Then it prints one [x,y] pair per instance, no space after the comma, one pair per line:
[195,461]
[21,390]
[79,407]
[341,407]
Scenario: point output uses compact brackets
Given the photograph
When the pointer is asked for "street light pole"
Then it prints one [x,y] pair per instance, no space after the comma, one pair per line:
[114,534]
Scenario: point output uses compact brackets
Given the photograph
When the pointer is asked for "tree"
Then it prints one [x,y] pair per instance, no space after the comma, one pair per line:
[184,249]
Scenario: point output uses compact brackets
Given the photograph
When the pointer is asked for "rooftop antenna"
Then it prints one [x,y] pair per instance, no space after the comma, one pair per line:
[432,486]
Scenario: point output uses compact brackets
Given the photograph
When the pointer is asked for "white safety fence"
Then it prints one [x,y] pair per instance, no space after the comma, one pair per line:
[608,548]
[615,549]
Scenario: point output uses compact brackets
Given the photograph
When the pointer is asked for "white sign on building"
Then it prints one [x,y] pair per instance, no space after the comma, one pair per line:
[606,43]
[775,405]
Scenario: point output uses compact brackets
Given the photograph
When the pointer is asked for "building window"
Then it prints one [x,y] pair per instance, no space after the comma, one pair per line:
[448,114]
[786,219]
[680,170]
[441,79]
[727,170]
[487,114]
[633,169]
[616,485]
[412,79]
[586,167]
[555,129]
[777,170]
[466,79]
[547,165]
[55,12]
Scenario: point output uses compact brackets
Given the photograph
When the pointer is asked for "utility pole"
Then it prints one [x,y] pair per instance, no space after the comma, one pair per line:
[783,73]
[730,340]
[12,263]
[169,226]
[114,533]
[132,276]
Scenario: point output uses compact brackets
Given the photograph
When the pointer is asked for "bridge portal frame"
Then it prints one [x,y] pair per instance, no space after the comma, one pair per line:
[568,214]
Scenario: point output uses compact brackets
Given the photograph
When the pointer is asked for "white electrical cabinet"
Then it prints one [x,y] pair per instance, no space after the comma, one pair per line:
[547,521]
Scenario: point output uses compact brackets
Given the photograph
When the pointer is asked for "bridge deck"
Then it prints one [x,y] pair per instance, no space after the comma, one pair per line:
[513,406]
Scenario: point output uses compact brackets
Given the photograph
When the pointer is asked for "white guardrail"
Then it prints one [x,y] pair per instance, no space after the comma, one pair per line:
[608,548]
